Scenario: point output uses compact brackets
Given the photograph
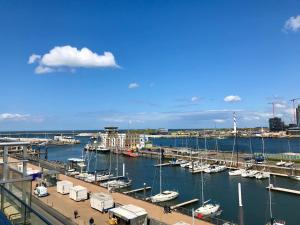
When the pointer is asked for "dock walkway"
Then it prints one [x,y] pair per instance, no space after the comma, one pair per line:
[285,190]
[66,206]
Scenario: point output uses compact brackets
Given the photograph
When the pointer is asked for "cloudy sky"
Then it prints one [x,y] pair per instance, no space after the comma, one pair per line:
[147,64]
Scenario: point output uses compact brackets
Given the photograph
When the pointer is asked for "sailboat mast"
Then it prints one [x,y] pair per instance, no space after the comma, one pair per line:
[160,161]
[270,198]
[202,192]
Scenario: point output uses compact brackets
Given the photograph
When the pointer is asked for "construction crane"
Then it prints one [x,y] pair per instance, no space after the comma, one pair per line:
[273,105]
[294,109]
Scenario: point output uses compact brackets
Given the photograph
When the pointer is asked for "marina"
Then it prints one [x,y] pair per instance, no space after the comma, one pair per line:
[181,179]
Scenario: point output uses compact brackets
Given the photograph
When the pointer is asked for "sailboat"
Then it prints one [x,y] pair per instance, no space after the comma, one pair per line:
[237,171]
[163,196]
[273,221]
[207,208]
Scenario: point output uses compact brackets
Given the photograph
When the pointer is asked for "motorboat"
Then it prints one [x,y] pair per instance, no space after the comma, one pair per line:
[249,173]
[117,184]
[175,162]
[262,175]
[102,149]
[215,169]
[207,209]
[164,196]
[236,172]
[185,164]
[281,163]
[200,168]
[130,153]
[289,164]
[100,177]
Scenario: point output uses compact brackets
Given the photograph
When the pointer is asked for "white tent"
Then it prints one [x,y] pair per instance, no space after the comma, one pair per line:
[101,201]
[131,214]
[78,193]
[64,186]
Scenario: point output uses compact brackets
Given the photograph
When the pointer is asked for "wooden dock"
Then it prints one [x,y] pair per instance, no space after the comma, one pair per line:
[184,203]
[285,190]
[137,190]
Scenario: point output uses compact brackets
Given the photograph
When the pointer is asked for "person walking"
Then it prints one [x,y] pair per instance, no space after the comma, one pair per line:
[75,214]
[91,221]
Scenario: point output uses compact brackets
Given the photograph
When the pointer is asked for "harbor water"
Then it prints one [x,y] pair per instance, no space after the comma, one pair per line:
[218,187]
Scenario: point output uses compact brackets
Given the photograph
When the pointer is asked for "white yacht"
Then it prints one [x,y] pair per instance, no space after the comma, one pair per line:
[207,209]
[262,175]
[236,172]
[281,163]
[215,169]
[185,165]
[249,173]
[116,184]
[166,195]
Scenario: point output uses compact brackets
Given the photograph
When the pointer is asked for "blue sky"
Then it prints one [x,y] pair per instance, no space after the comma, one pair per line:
[180,58]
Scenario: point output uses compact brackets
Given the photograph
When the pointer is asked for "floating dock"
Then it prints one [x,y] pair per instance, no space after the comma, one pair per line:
[184,203]
[137,190]
[285,190]
[163,164]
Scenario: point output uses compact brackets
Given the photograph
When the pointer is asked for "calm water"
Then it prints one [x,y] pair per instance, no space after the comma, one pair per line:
[218,187]
[272,145]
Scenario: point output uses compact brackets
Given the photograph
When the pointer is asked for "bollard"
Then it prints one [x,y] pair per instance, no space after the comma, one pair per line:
[240,195]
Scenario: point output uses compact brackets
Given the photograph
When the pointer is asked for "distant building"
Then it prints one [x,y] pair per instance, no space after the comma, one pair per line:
[295,129]
[276,124]
[112,139]
[163,131]
[135,140]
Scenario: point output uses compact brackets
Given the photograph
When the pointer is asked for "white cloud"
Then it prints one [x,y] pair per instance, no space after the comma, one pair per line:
[293,23]
[70,57]
[133,85]
[43,69]
[13,117]
[232,98]
[280,105]
[33,58]
[219,120]
[194,99]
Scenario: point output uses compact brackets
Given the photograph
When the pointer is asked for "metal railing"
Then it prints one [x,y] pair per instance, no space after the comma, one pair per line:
[17,211]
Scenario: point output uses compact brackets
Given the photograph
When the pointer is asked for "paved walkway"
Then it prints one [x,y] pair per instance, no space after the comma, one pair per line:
[66,206]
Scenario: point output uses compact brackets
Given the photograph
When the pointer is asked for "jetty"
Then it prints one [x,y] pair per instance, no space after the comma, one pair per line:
[184,203]
[137,190]
[285,190]
[163,164]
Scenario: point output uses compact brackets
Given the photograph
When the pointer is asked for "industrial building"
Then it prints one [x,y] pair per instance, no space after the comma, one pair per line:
[276,124]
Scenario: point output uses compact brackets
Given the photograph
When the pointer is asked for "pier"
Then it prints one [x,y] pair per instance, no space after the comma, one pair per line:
[285,190]
[163,164]
[66,206]
[184,203]
[137,190]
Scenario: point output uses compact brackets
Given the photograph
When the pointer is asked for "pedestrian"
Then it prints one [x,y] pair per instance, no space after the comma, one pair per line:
[75,214]
[91,221]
